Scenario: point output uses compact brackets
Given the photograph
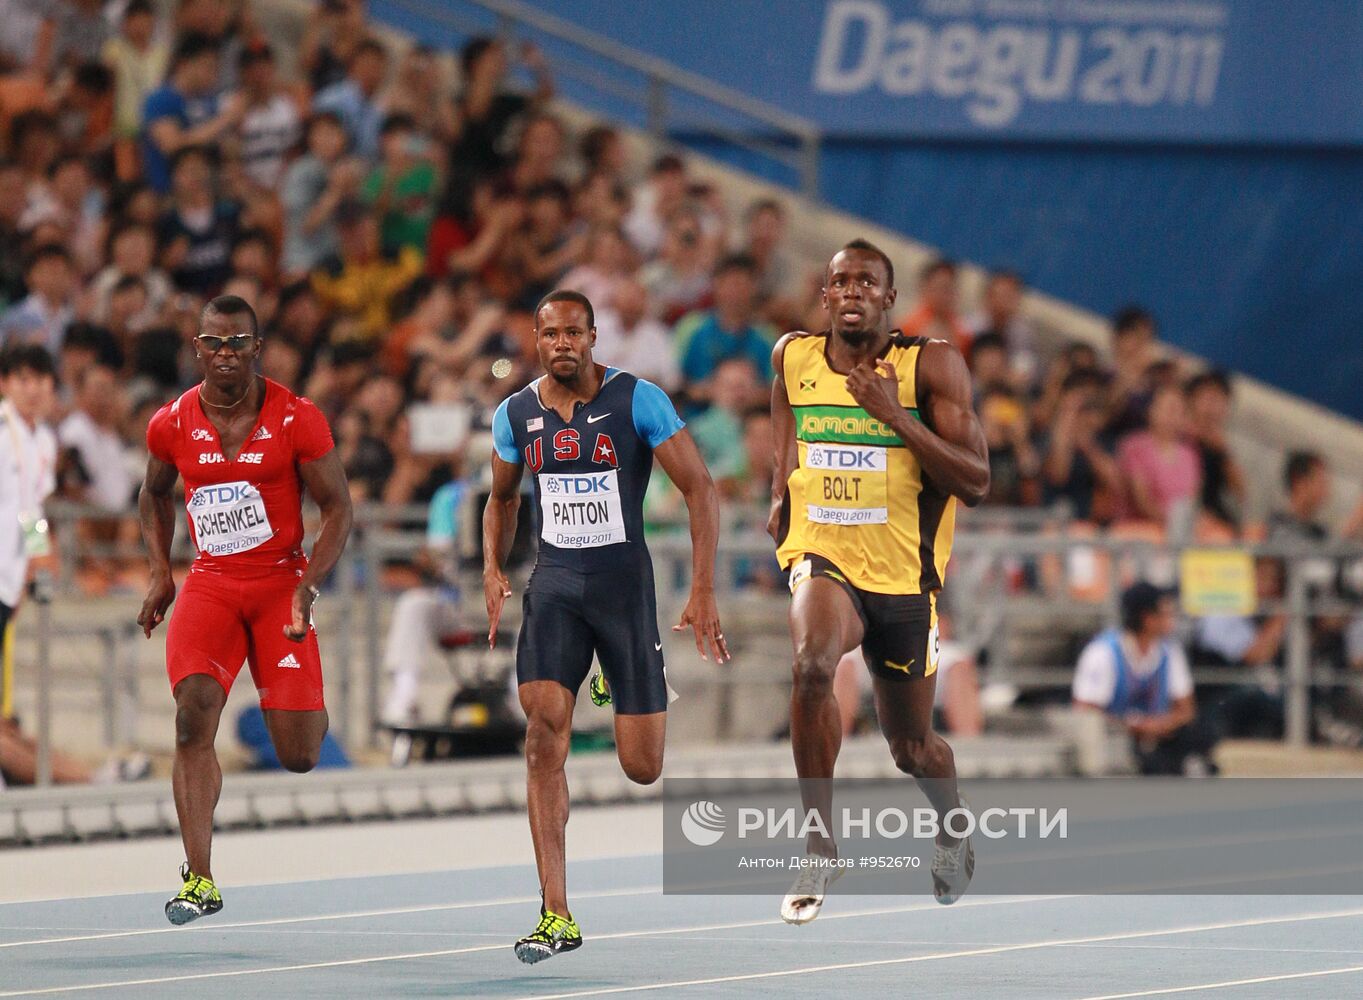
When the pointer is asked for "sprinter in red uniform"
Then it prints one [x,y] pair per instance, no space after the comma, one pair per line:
[245,447]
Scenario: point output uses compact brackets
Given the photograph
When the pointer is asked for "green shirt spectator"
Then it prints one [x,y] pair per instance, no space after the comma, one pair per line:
[402,188]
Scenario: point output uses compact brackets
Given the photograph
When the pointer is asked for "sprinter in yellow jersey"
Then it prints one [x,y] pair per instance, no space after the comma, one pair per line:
[875,443]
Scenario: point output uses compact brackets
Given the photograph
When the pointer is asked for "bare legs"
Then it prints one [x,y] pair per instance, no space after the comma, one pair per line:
[905,712]
[548,735]
[824,625]
[197,777]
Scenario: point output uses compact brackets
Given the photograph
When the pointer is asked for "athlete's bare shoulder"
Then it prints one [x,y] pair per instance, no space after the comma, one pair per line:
[942,360]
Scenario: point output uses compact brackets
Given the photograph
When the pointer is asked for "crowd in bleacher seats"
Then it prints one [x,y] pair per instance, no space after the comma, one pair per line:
[393,215]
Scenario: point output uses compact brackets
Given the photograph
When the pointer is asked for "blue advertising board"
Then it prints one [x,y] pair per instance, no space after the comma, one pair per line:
[1259,72]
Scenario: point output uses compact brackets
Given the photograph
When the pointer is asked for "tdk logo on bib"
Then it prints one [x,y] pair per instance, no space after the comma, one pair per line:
[845,458]
[580,486]
[222,494]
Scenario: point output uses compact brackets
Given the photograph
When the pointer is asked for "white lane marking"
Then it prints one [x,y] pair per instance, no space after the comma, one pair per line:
[943,942]
[1181,886]
[1228,983]
[251,972]
[355,915]
[1006,901]
[937,956]
[1185,844]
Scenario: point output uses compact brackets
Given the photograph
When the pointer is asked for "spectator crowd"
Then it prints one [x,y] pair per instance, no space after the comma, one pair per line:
[393,216]
[391,227]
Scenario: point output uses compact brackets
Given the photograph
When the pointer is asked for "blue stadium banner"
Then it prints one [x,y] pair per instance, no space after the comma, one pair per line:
[1262,72]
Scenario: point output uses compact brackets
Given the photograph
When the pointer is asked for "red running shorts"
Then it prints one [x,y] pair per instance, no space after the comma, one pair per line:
[220,622]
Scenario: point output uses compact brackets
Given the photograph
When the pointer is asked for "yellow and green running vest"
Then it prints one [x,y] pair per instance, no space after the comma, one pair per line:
[857,496]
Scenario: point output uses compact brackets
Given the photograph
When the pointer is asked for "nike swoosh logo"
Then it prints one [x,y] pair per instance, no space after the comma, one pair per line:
[592,420]
[901,666]
[657,645]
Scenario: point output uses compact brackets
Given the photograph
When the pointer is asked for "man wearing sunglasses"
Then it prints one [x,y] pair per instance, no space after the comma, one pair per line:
[246,448]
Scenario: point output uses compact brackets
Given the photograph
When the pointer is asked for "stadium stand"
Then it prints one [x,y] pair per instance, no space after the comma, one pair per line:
[393,211]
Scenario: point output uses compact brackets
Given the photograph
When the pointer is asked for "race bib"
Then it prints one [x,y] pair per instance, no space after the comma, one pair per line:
[581,511]
[228,518]
[847,484]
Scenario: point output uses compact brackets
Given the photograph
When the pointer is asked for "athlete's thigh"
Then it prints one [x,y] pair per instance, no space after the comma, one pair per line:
[548,707]
[640,737]
[623,614]
[288,674]
[294,732]
[825,622]
[904,707]
[555,643]
[207,634]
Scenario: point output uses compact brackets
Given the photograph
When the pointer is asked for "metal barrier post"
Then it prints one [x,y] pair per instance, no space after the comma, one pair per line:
[42,596]
[1298,707]
[128,700]
[108,681]
[345,654]
[373,565]
[1112,603]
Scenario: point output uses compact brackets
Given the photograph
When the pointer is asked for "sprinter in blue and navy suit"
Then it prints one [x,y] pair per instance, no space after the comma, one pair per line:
[589,435]
[1139,675]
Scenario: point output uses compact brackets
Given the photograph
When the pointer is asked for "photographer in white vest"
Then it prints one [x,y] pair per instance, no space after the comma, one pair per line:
[28,459]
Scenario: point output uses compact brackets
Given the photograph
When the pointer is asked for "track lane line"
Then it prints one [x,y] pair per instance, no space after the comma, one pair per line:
[939,956]
[1228,983]
[408,956]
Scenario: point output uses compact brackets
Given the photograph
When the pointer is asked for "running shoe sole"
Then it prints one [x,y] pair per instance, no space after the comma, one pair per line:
[531,952]
[813,908]
[182,911]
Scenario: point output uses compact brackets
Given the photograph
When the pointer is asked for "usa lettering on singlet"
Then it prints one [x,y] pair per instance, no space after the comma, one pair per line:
[590,470]
[228,518]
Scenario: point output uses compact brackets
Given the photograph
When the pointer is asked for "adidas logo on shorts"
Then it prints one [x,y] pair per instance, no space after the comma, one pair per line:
[290,662]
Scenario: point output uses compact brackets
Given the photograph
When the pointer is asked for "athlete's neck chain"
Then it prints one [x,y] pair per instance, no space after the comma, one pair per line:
[226,406]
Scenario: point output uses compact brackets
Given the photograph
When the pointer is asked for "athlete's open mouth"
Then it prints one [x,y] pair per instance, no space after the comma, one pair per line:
[851,315]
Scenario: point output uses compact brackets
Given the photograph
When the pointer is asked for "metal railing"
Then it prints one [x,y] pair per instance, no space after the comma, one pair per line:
[988,604]
[668,101]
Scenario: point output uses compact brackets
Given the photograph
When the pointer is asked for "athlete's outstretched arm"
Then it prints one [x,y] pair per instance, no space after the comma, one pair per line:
[326,483]
[499,531]
[783,433]
[156,510]
[953,453]
[681,460]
